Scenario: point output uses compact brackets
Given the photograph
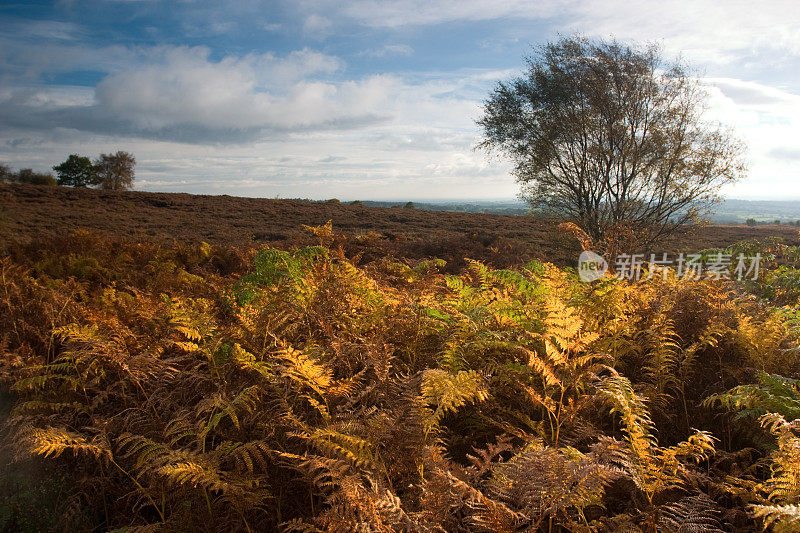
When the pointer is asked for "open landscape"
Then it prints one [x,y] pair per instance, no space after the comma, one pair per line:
[28,212]
[220,363]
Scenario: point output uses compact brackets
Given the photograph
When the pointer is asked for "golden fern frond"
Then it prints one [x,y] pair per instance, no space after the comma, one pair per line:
[543,367]
[52,442]
[304,370]
[447,392]
[79,333]
[324,232]
[190,319]
[149,454]
[194,474]
[638,426]
[247,361]
[356,450]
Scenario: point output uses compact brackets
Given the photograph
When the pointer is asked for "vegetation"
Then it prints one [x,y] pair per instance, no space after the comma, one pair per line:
[115,171]
[109,171]
[611,138]
[205,388]
[76,171]
[26,175]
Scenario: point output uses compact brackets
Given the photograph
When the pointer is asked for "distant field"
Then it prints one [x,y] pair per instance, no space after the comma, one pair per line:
[28,211]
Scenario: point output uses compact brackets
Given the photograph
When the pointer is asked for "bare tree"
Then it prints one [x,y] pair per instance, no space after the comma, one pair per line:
[115,171]
[611,137]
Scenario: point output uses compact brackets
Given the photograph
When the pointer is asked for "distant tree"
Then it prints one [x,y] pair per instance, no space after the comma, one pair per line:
[409,205]
[5,173]
[610,137]
[27,175]
[777,221]
[76,171]
[751,222]
[115,171]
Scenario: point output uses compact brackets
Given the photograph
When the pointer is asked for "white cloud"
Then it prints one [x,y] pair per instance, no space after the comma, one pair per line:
[767,119]
[389,50]
[703,30]
[182,94]
[422,149]
[228,95]
[317,26]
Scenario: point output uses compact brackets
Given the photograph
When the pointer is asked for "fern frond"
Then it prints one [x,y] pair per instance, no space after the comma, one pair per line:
[779,518]
[772,394]
[52,442]
[447,392]
[691,513]
[304,370]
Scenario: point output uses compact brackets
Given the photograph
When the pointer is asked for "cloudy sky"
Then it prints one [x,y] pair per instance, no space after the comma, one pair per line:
[366,99]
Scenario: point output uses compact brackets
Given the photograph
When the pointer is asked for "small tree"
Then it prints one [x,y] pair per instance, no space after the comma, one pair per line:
[115,171]
[76,171]
[751,222]
[610,137]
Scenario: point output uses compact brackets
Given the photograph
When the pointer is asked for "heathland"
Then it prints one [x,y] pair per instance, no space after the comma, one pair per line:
[171,362]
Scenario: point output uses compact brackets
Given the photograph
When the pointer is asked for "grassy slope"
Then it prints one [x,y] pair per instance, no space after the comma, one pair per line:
[28,211]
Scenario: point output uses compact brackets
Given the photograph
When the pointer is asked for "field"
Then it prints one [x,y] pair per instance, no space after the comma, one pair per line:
[192,363]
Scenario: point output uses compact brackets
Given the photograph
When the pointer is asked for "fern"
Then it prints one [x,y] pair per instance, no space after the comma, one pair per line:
[691,513]
[52,442]
[772,394]
[446,392]
[778,518]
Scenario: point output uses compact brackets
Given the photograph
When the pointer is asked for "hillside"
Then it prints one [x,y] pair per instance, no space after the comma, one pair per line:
[28,211]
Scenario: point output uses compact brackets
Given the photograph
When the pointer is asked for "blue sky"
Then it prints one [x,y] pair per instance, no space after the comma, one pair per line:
[366,99]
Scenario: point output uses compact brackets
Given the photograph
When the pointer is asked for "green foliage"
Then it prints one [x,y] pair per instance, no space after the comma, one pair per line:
[76,171]
[772,394]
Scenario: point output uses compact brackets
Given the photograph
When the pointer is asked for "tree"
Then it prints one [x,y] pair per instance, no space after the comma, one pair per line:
[5,173]
[751,222]
[76,171]
[27,175]
[611,138]
[115,171]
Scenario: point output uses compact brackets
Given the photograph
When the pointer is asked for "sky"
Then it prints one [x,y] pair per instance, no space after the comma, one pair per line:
[367,99]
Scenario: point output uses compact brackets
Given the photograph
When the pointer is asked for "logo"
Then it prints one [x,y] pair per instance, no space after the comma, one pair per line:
[591,266]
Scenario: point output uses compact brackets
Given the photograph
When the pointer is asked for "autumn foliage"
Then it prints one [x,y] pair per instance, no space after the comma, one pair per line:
[204,388]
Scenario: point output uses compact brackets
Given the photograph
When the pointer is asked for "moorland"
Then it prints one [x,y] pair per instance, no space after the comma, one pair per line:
[173,362]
